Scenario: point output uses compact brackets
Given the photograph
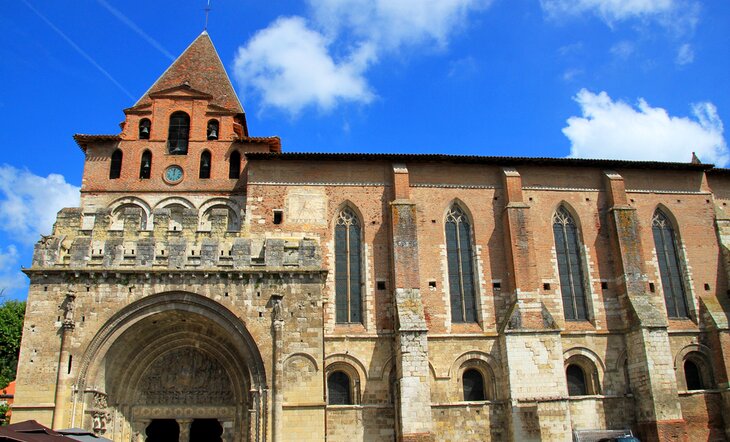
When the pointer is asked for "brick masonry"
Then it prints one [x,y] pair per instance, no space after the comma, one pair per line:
[234,280]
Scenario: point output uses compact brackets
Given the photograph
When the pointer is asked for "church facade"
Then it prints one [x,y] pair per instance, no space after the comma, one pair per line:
[210,287]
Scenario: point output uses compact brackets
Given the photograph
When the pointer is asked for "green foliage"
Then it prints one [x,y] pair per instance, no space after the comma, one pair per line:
[3,414]
[11,328]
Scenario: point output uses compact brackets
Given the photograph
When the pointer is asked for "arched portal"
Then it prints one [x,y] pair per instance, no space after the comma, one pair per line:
[174,357]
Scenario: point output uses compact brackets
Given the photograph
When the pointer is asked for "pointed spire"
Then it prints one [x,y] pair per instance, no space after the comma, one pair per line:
[199,67]
[695,159]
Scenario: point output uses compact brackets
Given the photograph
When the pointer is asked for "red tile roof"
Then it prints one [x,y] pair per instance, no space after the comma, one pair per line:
[201,68]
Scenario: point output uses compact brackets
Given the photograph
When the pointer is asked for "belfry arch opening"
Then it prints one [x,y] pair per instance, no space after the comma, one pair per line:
[174,358]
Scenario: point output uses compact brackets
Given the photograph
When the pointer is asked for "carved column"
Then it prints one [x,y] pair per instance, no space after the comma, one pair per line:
[63,359]
[184,424]
[277,319]
[138,430]
[254,416]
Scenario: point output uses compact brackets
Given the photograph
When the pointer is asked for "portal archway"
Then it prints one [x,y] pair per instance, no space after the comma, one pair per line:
[175,357]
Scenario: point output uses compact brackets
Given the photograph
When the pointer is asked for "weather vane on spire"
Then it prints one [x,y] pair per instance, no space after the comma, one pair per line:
[207,12]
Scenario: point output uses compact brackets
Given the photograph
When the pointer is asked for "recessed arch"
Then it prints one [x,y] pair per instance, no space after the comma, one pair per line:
[700,356]
[234,213]
[173,200]
[592,370]
[572,273]
[117,211]
[184,303]
[349,259]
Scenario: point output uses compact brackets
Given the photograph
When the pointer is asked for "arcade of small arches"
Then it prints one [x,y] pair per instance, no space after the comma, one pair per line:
[477,375]
[177,207]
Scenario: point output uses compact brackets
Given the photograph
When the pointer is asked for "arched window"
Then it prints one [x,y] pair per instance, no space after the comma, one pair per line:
[473,385]
[234,166]
[145,125]
[205,164]
[570,267]
[693,376]
[348,299]
[177,135]
[338,389]
[145,166]
[669,269]
[576,380]
[212,130]
[115,168]
[461,274]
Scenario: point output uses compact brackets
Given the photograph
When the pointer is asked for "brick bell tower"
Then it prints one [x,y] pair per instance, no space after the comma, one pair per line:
[187,134]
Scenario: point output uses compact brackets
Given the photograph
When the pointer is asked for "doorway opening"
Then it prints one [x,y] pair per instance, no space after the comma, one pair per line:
[206,430]
[163,430]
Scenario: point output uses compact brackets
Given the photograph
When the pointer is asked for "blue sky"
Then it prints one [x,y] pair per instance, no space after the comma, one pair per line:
[633,79]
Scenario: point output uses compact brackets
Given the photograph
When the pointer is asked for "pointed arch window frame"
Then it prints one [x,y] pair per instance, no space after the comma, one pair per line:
[460,265]
[574,287]
[348,267]
[671,265]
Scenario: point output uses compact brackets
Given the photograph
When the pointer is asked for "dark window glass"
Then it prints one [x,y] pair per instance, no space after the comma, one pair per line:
[348,296]
[177,136]
[145,167]
[570,267]
[234,169]
[692,376]
[212,130]
[576,381]
[338,389]
[473,386]
[459,258]
[115,168]
[205,165]
[145,125]
[666,250]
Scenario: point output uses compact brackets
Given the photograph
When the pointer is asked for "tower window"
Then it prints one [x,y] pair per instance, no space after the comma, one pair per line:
[212,130]
[177,136]
[473,385]
[145,165]
[576,381]
[205,165]
[115,168]
[348,299]
[570,267]
[234,166]
[338,389]
[461,274]
[669,269]
[145,125]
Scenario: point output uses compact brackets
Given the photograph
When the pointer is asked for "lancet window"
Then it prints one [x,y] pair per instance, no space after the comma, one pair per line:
[461,267]
[348,279]
[665,242]
[570,266]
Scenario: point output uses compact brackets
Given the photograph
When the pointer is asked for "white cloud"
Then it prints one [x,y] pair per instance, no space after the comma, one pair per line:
[29,203]
[685,55]
[391,24]
[11,279]
[289,64]
[615,129]
[679,15]
[295,63]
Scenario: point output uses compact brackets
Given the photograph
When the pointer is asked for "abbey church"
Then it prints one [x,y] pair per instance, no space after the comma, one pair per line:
[213,287]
